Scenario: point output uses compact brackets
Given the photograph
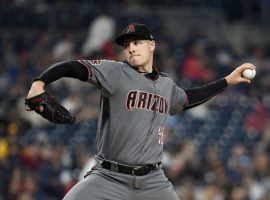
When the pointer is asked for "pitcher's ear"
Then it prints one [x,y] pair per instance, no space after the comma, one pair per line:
[152,45]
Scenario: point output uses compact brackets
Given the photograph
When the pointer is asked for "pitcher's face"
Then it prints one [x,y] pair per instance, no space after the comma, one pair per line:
[139,52]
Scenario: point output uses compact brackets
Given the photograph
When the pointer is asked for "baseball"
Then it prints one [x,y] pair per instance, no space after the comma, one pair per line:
[249,73]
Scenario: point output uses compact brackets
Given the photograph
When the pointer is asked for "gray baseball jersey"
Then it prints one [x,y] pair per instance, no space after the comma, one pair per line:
[133,111]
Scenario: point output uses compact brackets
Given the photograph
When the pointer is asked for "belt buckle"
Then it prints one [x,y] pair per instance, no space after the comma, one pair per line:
[134,170]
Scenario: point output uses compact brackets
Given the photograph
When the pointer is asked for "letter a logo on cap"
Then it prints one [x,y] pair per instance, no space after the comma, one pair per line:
[131,28]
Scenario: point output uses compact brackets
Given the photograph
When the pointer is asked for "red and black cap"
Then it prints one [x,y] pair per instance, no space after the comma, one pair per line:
[139,31]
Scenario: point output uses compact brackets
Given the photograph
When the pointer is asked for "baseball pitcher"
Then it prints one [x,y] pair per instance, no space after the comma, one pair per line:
[135,99]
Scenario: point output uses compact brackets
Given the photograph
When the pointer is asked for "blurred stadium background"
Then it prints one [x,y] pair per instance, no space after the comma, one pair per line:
[217,151]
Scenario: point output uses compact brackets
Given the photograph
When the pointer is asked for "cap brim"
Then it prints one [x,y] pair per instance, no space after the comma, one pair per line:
[120,40]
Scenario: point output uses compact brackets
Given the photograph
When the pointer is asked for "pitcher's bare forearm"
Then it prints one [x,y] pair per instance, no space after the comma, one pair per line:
[36,88]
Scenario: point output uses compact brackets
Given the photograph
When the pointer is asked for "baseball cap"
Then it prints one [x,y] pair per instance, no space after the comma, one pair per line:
[138,30]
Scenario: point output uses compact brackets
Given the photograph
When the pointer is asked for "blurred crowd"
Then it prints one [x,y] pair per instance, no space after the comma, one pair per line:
[40,160]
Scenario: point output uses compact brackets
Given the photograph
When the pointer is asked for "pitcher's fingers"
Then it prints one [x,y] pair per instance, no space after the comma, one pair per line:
[245,80]
[247,66]
[41,109]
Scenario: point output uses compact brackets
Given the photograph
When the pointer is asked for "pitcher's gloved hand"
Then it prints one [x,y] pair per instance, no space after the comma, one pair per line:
[47,106]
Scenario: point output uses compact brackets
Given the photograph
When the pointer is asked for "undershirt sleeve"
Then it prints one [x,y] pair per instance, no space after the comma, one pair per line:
[199,95]
[71,69]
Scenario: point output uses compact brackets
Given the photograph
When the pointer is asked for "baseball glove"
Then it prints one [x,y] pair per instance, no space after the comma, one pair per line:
[52,110]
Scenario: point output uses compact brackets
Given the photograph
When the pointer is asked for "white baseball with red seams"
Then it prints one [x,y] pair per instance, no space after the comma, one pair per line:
[249,73]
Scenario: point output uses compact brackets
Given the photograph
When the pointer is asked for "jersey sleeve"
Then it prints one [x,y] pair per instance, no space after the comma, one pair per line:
[178,99]
[103,74]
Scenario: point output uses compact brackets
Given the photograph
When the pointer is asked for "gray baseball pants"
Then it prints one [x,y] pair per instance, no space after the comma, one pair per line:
[103,184]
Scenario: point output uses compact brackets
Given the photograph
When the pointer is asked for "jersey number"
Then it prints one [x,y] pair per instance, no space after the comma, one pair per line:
[160,134]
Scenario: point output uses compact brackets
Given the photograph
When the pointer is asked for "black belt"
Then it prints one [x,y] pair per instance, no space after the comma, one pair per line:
[126,169]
